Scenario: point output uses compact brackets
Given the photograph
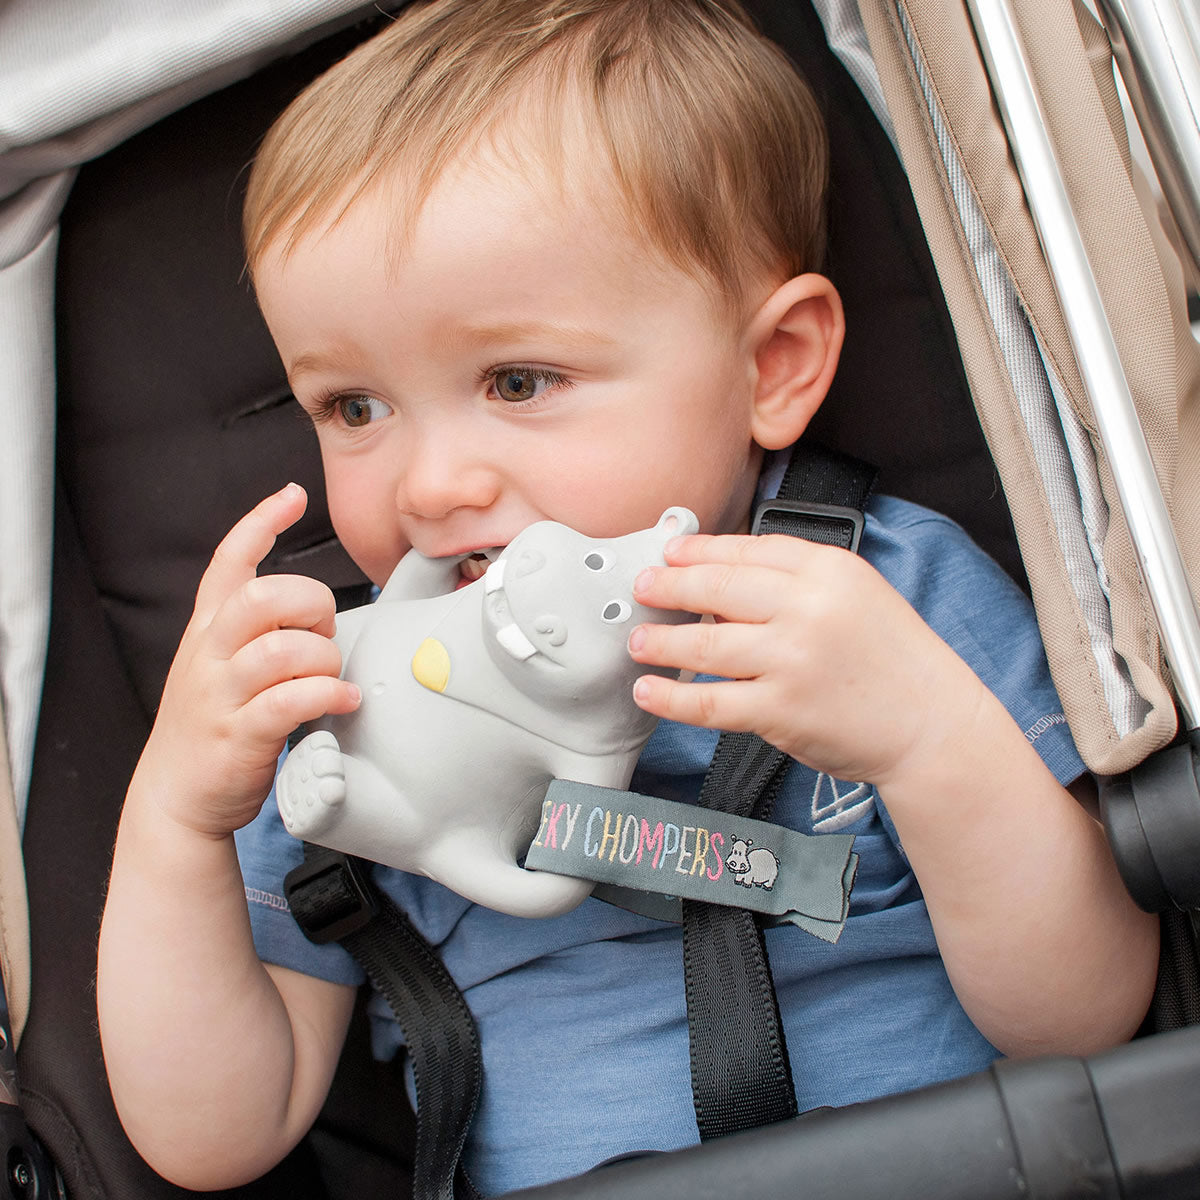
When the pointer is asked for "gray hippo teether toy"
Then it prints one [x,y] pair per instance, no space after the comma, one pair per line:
[473,701]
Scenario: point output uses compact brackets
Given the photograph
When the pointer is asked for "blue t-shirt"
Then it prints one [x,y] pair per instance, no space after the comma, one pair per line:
[582,1017]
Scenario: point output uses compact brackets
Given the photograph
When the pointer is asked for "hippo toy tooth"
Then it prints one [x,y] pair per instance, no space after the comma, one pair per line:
[493,579]
[515,642]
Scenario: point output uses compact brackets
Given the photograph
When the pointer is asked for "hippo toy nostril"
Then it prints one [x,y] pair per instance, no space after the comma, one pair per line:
[552,628]
[527,562]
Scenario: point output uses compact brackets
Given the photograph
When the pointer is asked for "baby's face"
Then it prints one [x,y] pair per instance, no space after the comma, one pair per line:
[521,359]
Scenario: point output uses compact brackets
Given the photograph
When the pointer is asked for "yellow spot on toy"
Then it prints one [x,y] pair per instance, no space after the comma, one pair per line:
[431,665]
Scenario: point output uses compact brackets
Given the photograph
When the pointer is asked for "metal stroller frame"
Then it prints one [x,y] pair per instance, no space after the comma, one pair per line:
[1119,1124]
[1157,55]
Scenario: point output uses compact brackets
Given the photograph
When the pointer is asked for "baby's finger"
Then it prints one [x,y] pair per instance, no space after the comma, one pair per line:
[730,649]
[773,550]
[725,705]
[272,602]
[732,591]
[282,654]
[273,714]
[236,559]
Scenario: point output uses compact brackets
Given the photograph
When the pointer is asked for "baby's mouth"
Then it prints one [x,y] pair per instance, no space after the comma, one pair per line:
[474,566]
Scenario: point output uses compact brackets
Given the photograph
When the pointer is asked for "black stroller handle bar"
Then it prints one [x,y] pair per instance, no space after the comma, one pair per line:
[1117,1126]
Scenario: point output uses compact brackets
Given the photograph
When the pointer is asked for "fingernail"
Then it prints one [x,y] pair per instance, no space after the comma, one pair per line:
[641,690]
[293,487]
[672,545]
[643,581]
[637,639]
[355,693]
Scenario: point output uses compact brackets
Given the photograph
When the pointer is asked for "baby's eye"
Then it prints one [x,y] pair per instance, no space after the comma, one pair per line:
[361,410]
[516,385]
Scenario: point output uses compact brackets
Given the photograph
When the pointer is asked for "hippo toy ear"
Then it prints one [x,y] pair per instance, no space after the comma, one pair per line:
[678,521]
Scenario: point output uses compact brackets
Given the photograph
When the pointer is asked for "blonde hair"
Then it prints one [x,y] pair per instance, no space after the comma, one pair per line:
[715,144]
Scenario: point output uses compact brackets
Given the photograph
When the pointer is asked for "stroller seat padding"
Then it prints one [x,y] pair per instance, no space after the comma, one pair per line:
[175,418]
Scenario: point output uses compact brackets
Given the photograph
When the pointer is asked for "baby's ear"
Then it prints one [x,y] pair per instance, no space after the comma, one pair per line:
[797,337]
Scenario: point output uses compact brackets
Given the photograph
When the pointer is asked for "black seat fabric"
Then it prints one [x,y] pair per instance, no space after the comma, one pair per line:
[175,418]
[900,398]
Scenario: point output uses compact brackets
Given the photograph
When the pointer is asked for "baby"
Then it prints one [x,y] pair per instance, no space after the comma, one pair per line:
[559,259]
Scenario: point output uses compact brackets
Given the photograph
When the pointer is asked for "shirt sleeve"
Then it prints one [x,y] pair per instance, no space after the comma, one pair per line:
[973,605]
[267,852]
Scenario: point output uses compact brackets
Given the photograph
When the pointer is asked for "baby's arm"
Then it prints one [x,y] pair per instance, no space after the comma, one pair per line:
[218,1065]
[828,662]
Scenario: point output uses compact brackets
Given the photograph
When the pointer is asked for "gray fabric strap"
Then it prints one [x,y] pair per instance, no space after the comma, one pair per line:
[676,852]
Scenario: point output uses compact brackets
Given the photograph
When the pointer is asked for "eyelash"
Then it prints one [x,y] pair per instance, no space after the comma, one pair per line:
[552,379]
[327,404]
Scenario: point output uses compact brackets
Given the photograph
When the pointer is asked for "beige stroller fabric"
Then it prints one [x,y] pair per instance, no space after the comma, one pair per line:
[14,907]
[76,78]
[1096,619]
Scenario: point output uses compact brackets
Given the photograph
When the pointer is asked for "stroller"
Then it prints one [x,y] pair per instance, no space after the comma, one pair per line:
[995,246]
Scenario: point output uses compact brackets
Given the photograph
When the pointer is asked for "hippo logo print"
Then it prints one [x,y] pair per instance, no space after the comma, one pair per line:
[757,867]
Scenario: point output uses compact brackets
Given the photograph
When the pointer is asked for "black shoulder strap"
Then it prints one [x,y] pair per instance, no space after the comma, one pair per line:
[821,498]
[333,898]
[739,1063]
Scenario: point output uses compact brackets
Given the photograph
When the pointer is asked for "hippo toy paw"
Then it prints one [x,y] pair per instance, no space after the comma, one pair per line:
[312,785]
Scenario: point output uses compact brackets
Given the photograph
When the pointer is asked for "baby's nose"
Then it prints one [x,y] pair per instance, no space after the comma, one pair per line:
[442,477]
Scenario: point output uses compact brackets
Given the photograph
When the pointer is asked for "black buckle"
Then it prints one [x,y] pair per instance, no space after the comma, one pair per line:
[848,519]
[330,896]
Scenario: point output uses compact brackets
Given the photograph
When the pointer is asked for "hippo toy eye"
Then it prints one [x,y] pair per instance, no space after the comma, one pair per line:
[616,611]
[597,560]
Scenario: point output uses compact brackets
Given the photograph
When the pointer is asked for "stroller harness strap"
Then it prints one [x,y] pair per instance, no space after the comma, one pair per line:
[739,1063]
[740,1073]
[333,898]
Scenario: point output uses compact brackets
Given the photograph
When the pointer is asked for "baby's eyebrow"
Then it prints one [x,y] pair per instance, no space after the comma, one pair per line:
[315,360]
[514,332]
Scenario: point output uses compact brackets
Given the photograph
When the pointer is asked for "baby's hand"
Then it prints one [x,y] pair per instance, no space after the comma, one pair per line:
[256,660]
[822,657]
